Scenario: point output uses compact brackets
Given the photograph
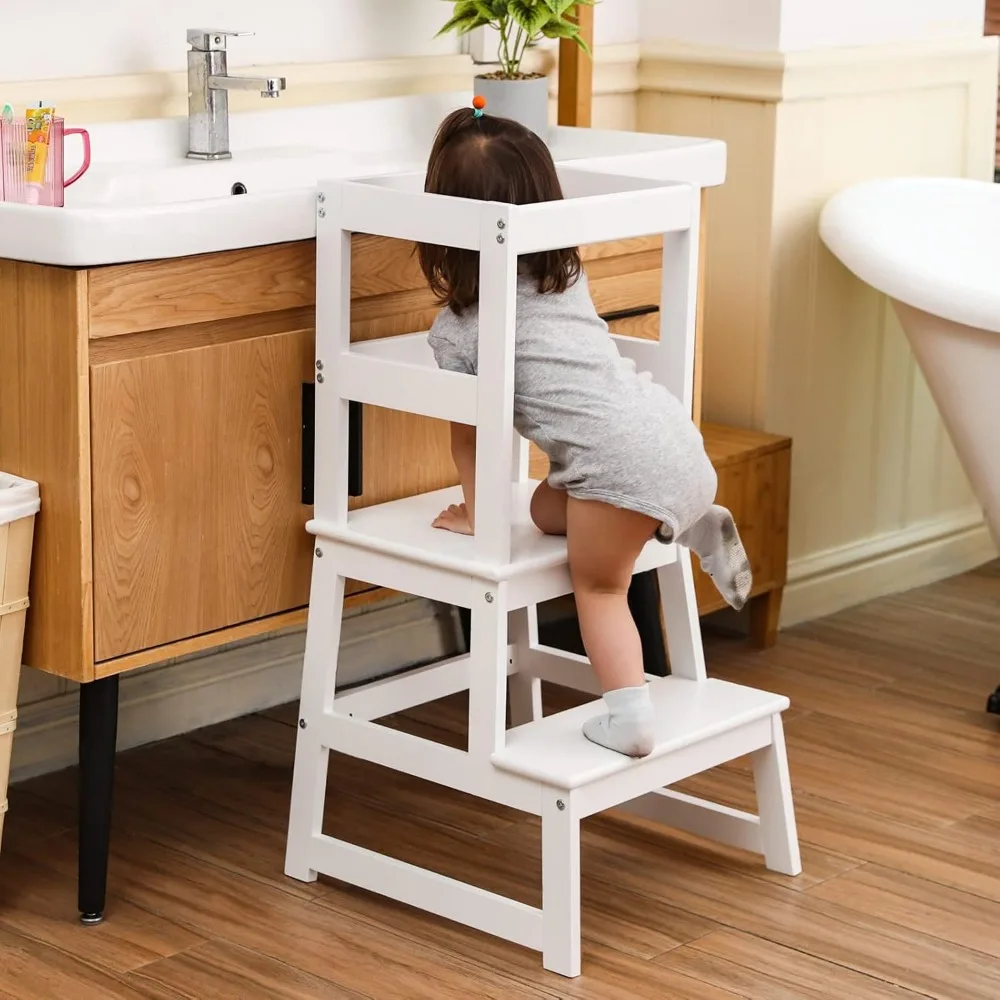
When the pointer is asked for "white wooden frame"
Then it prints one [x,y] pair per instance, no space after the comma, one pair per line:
[542,766]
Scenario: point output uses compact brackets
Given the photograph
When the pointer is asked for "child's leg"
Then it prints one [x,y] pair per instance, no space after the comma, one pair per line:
[604,543]
[548,509]
[716,542]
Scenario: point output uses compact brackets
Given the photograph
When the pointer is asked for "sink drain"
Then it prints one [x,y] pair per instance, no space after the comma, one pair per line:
[238,188]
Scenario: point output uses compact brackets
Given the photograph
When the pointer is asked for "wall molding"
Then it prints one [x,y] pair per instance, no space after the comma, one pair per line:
[164,95]
[771,77]
[823,583]
[177,697]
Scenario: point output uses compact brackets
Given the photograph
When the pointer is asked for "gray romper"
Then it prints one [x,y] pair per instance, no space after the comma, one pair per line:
[610,433]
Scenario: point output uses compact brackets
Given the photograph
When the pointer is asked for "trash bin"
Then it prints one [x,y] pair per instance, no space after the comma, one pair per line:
[18,507]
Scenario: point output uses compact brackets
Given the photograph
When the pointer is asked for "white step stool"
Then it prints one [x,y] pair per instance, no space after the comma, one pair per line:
[542,766]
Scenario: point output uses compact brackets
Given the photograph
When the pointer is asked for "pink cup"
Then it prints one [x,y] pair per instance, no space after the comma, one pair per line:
[56,182]
[51,192]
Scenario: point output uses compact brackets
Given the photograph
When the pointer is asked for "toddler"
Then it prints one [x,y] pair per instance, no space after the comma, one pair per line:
[626,461]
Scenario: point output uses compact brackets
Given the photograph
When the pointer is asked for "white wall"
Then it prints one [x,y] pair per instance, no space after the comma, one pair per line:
[110,37]
[743,24]
[818,24]
[797,25]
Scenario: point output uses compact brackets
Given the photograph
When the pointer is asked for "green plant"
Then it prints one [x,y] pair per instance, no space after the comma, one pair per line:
[520,23]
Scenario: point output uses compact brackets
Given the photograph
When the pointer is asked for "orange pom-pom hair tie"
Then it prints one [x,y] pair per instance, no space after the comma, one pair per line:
[478,103]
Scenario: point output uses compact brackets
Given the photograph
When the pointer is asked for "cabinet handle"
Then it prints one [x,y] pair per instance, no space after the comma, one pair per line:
[355,461]
[610,317]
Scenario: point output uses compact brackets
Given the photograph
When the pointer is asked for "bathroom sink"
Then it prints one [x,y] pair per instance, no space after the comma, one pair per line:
[143,199]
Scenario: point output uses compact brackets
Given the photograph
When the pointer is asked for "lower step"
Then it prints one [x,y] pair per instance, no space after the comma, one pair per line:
[554,750]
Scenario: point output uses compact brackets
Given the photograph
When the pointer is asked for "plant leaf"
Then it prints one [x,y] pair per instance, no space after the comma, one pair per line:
[563,7]
[566,29]
[530,15]
[464,22]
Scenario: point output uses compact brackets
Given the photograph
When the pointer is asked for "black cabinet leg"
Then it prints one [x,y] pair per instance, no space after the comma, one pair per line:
[644,603]
[98,736]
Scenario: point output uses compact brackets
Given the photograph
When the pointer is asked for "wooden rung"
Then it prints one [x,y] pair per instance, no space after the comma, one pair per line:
[699,817]
[430,392]
[618,216]
[439,894]
[424,759]
[406,690]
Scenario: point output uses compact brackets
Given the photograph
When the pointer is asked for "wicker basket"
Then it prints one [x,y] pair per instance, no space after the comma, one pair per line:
[18,506]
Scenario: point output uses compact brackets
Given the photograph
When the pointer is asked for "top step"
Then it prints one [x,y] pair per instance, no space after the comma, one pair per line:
[555,752]
[402,529]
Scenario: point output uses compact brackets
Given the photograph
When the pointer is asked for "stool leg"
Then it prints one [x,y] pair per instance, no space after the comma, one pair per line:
[560,885]
[524,689]
[774,804]
[319,679]
[680,615]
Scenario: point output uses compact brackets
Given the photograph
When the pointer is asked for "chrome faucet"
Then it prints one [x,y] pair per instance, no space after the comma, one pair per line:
[208,97]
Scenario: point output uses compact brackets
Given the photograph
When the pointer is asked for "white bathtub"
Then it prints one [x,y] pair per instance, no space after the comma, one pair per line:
[933,246]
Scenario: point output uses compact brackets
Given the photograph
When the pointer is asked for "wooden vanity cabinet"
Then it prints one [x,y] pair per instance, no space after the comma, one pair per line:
[160,407]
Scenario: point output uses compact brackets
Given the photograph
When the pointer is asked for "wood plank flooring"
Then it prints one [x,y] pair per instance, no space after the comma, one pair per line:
[896,768]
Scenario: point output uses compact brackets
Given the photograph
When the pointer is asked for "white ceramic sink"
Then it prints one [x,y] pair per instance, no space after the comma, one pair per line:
[143,199]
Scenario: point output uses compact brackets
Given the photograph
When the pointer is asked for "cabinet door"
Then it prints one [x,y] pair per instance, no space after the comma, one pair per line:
[197,515]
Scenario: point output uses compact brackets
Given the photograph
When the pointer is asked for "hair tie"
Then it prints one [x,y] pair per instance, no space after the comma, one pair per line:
[478,103]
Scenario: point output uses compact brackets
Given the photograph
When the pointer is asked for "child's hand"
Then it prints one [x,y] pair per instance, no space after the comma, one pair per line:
[455,518]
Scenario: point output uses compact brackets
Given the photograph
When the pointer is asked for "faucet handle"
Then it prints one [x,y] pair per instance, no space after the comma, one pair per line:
[212,39]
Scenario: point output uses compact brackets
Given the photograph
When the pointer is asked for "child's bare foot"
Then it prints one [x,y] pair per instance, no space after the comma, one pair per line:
[716,542]
[455,518]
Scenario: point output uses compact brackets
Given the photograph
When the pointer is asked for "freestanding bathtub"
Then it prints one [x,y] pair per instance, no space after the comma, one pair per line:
[933,246]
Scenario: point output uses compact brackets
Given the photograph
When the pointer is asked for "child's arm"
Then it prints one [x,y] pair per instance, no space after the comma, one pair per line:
[463,451]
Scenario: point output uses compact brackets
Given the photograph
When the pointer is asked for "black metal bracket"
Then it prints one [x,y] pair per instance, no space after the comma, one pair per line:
[355,461]
[610,317]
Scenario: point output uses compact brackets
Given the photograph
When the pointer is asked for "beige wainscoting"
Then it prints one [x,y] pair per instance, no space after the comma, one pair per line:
[796,345]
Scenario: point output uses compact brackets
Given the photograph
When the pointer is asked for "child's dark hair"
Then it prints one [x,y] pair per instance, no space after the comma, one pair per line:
[491,159]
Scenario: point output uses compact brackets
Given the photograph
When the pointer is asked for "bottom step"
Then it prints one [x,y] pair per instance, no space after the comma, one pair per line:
[555,752]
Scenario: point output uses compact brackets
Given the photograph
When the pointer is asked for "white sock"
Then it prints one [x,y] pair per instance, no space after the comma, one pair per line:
[628,726]
[716,542]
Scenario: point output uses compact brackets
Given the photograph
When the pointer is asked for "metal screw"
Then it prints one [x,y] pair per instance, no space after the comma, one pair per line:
[560,805]
[489,598]
[320,377]
[500,239]
[302,723]
[322,213]
[319,553]
[321,197]
[501,224]
[319,366]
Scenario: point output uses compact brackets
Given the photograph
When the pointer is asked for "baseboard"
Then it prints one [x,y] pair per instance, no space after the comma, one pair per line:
[827,582]
[164,701]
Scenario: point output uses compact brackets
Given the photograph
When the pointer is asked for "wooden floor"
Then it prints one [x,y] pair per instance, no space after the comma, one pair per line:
[896,768]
